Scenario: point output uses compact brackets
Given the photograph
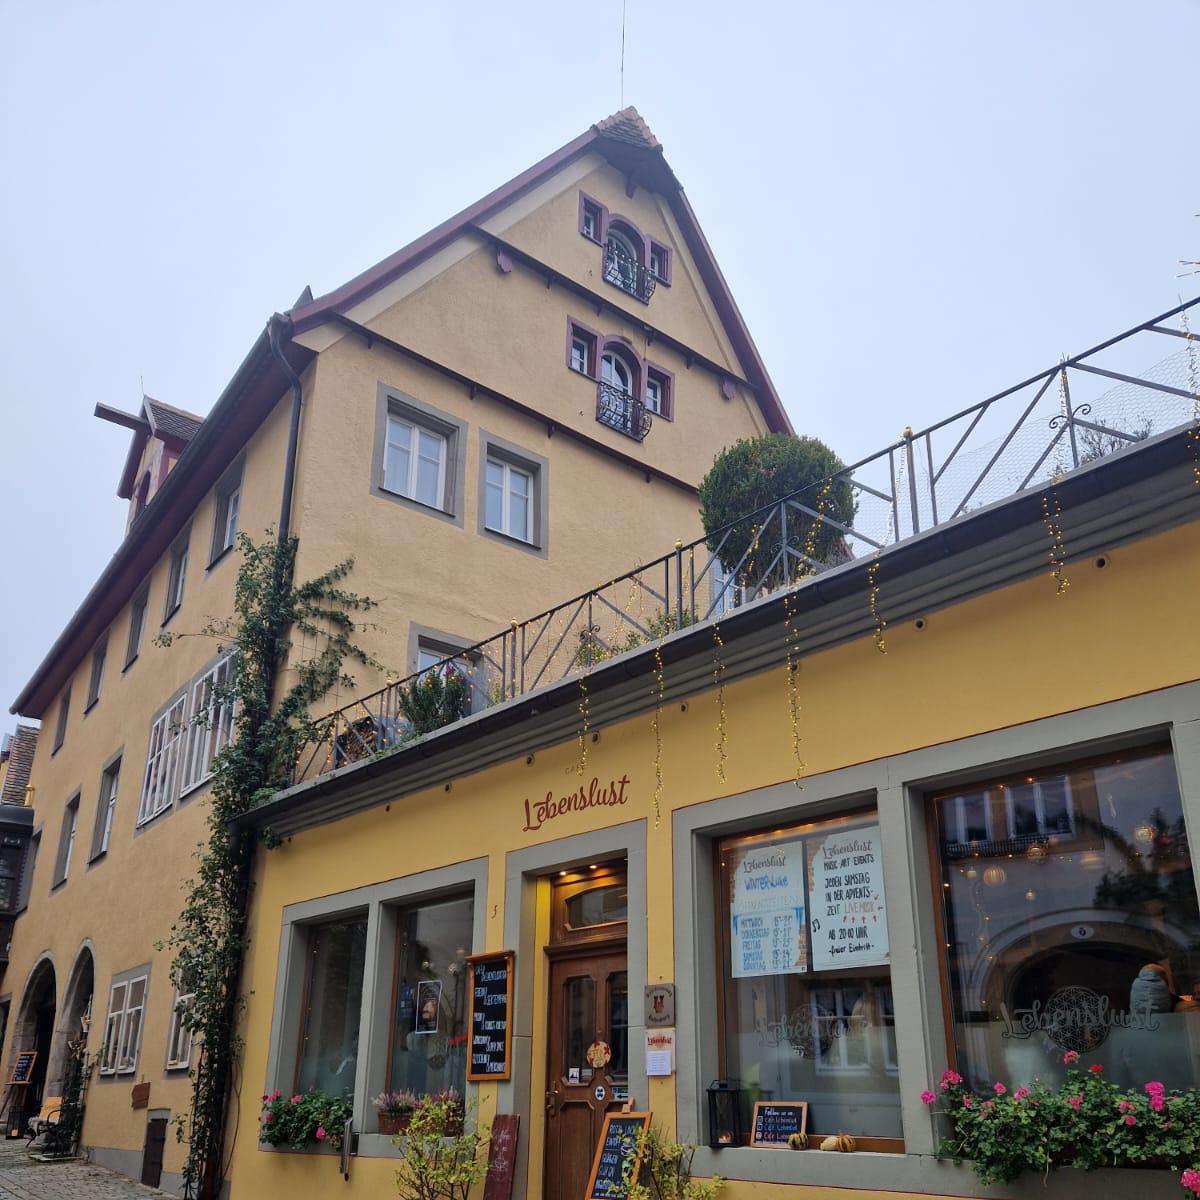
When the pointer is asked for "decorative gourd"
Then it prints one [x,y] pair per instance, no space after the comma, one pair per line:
[797,1141]
[842,1143]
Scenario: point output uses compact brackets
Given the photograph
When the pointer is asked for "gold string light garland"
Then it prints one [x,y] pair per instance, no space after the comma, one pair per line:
[657,724]
[1051,506]
[1194,388]
[873,604]
[722,715]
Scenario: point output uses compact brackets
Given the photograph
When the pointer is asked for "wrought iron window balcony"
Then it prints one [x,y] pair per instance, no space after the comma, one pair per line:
[625,272]
[620,411]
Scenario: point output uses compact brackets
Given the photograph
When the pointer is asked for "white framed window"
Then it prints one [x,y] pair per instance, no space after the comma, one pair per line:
[840,1029]
[654,394]
[99,654]
[179,1037]
[210,728]
[66,841]
[137,625]
[581,354]
[162,761]
[616,372]
[660,262]
[176,576]
[106,808]
[1040,808]
[123,1028]
[509,500]
[414,462]
[227,501]
[591,218]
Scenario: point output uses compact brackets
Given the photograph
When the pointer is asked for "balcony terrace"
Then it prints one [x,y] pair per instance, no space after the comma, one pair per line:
[1025,438]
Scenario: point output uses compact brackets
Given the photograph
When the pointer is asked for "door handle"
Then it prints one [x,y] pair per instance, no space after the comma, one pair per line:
[552,1102]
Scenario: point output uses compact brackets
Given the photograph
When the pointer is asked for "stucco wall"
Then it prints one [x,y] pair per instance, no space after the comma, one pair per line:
[1003,659]
[125,902]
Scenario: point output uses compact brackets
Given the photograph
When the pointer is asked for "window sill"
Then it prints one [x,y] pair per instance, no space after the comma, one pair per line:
[218,557]
[146,822]
[129,663]
[98,857]
[57,749]
[54,887]
[90,705]
[187,792]
[515,542]
[167,618]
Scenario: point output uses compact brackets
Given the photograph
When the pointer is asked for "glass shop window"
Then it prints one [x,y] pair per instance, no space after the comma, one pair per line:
[806,995]
[1071,923]
[429,1041]
[332,1006]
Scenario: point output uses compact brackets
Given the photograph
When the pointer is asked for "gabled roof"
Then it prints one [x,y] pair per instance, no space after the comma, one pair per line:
[173,425]
[628,143]
[18,750]
[623,139]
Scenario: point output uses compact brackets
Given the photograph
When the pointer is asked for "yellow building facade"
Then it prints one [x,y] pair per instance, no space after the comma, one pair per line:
[830,872]
[523,399]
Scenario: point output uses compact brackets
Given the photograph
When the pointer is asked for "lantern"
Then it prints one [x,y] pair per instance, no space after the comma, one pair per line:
[995,876]
[724,1114]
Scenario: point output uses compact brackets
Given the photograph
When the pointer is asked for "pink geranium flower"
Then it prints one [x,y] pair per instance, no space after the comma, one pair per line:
[1097,1068]
[276,1094]
[1156,1103]
[321,1134]
[1075,1102]
[1154,1088]
[1191,1181]
[1071,1057]
[999,1089]
[1131,1120]
[296,1099]
[1021,1093]
[927,1097]
[950,1079]
[268,1117]
[967,1102]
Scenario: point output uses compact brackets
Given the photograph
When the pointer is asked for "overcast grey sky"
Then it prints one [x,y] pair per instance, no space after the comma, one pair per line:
[915,203]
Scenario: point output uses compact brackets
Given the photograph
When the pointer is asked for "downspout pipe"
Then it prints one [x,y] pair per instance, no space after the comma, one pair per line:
[279,331]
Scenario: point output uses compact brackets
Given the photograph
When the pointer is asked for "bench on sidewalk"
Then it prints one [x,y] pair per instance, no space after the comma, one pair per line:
[45,1120]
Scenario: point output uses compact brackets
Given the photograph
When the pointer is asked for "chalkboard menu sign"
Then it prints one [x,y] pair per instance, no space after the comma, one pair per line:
[490,1016]
[618,1144]
[774,1121]
[23,1067]
[502,1157]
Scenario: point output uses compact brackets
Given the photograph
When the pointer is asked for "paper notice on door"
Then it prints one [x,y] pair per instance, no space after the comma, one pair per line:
[849,917]
[660,1051]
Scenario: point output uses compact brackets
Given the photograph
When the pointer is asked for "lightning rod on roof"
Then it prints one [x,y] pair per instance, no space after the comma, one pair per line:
[622,90]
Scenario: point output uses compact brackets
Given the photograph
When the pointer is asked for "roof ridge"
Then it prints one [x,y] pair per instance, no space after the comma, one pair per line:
[183,412]
[628,125]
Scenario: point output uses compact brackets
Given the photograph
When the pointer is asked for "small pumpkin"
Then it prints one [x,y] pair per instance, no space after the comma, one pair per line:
[841,1143]
[797,1141]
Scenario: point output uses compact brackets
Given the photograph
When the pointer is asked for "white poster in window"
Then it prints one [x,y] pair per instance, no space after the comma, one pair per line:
[848,914]
[766,909]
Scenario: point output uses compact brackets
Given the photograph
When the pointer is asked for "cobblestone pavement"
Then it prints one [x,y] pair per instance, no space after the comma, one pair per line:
[23,1178]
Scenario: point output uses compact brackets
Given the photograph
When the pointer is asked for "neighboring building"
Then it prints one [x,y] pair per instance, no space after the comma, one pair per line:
[16,827]
[521,400]
[853,868]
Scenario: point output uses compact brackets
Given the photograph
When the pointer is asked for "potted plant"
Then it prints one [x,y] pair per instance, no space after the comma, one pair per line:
[394,1110]
[661,1169]
[1084,1123]
[437,697]
[307,1119]
[442,1158]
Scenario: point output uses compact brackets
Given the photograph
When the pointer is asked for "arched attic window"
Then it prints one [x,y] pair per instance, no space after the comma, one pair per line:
[619,393]
[624,260]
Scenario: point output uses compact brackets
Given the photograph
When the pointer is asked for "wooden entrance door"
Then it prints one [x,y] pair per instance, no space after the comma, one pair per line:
[589,1002]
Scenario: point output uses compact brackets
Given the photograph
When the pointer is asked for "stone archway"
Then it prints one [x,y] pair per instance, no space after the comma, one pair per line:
[74,1016]
[33,1030]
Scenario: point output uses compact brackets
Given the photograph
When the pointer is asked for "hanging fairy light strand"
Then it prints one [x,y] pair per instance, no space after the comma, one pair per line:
[1051,506]
[722,715]
[584,723]
[873,604]
[1193,370]
[792,669]
[657,724]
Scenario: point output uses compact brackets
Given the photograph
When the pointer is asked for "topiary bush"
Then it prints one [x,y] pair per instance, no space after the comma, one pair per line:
[760,471]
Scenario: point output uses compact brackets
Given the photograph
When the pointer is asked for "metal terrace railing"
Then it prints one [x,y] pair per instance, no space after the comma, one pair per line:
[1082,408]
[620,411]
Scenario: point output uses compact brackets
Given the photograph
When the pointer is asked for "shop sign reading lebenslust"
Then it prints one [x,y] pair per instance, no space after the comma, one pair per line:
[488,1021]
